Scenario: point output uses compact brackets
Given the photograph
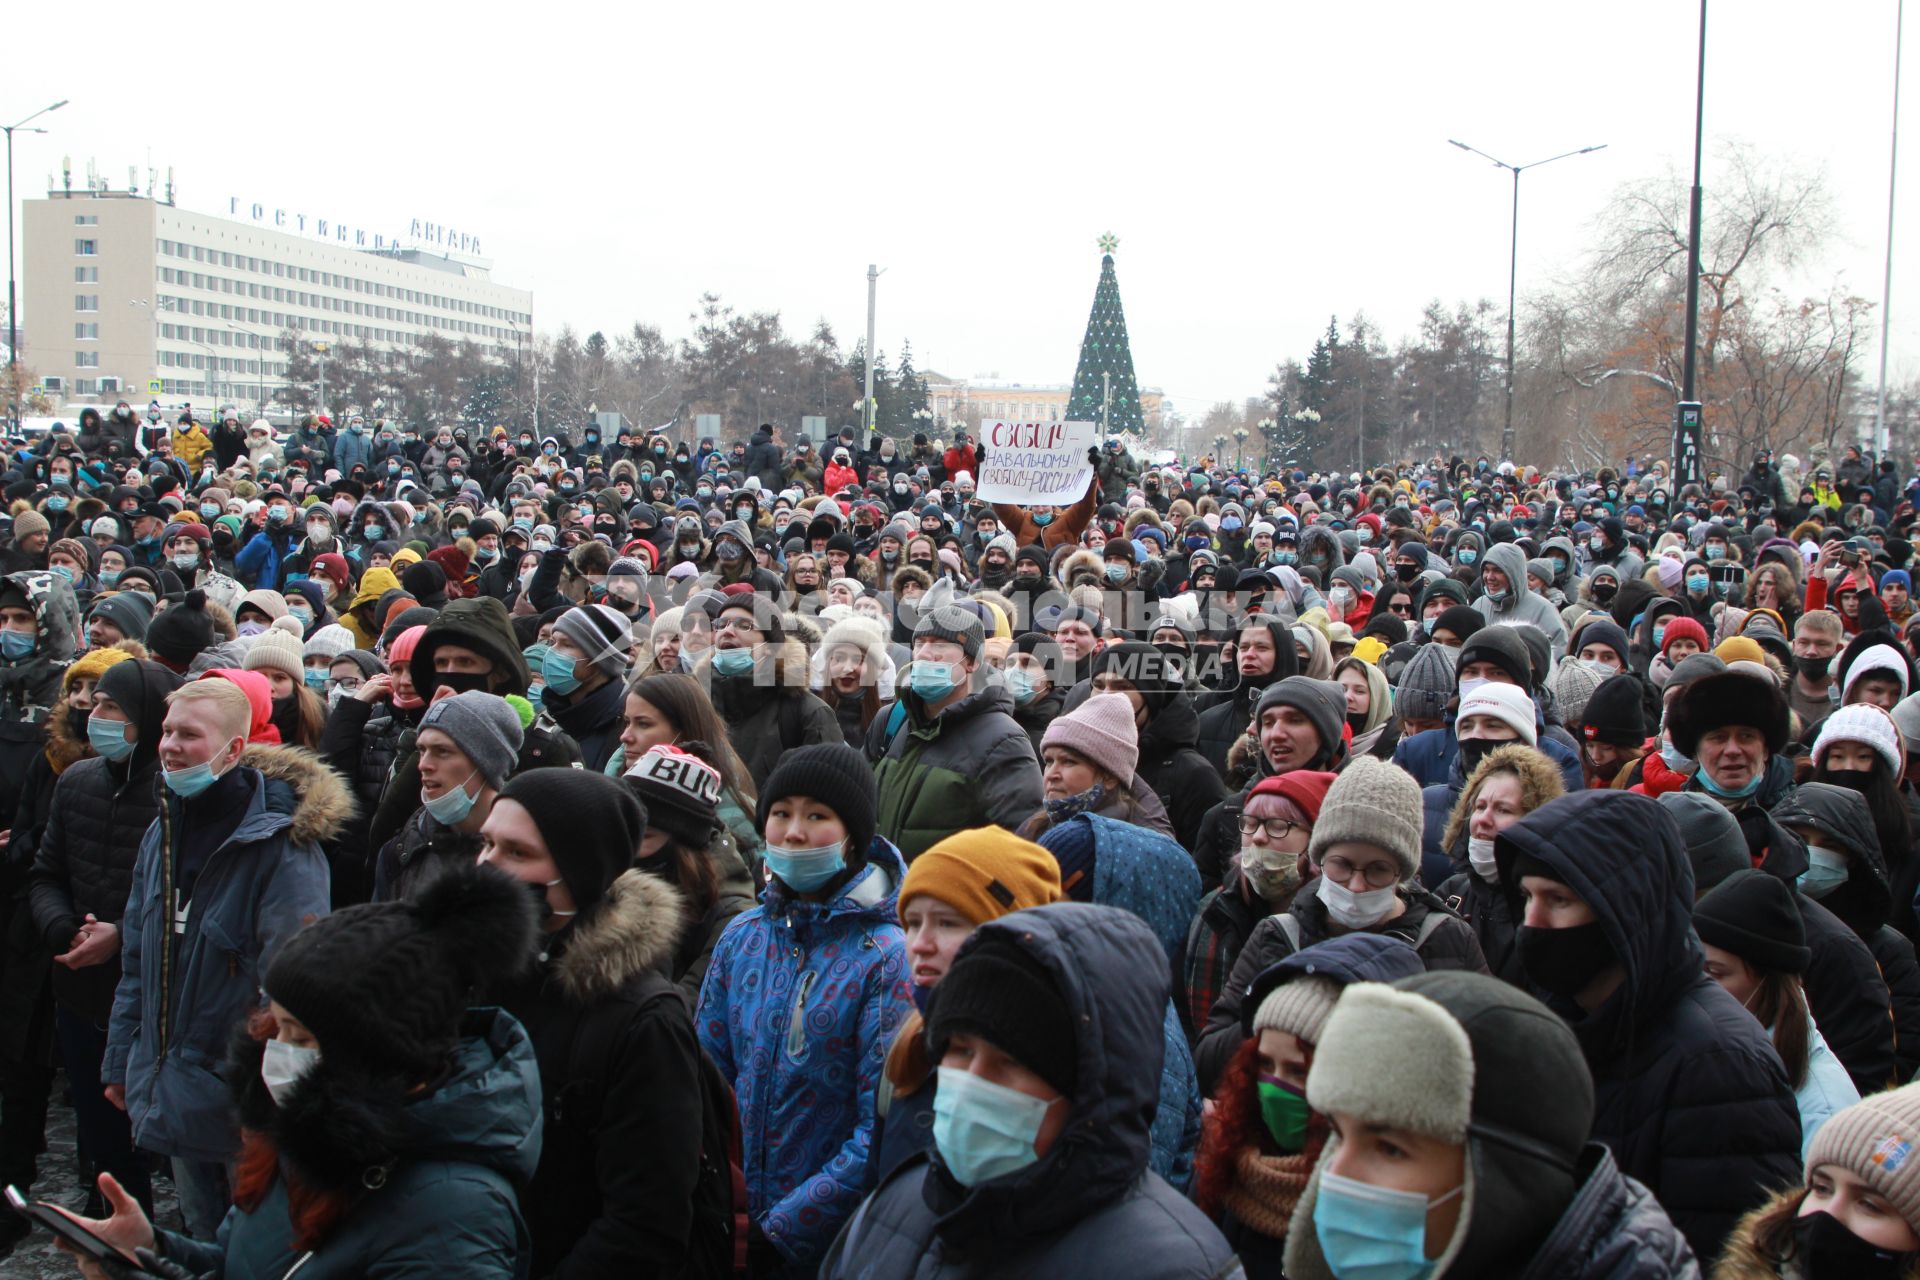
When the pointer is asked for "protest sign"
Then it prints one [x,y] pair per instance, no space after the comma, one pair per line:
[1035,462]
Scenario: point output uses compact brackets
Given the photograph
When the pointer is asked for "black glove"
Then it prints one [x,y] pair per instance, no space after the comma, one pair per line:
[980,451]
[1093,454]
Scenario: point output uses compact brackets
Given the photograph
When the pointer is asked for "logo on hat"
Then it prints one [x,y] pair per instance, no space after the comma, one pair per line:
[668,766]
[1892,1153]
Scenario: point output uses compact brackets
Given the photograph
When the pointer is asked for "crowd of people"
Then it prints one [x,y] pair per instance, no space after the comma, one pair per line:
[462,852]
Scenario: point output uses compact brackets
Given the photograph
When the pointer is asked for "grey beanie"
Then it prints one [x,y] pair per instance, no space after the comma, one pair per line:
[603,634]
[485,728]
[1321,701]
[130,611]
[1376,803]
[1426,686]
[1715,846]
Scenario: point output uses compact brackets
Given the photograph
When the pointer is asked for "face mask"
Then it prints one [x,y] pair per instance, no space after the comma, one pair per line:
[1352,910]
[375,532]
[1596,544]
[805,870]
[282,1065]
[109,576]
[1272,874]
[556,669]
[15,645]
[250,628]
[729,552]
[1604,592]
[1116,573]
[108,738]
[1020,684]
[190,781]
[486,555]
[450,808]
[1373,1232]
[1468,555]
[1739,793]
[316,679]
[1600,667]
[1285,1111]
[733,662]
[1043,520]
[1713,551]
[1564,961]
[1480,855]
[1829,1249]
[1826,871]
[1813,668]
[186,561]
[983,1130]
[933,681]
[277,515]
[1697,583]
[1498,597]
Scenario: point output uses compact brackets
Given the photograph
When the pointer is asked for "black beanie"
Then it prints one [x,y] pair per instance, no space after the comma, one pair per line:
[385,984]
[1752,914]
[837,776]
[592,825]
[179,632]
[1462,620]
[999,992]
[1614,713]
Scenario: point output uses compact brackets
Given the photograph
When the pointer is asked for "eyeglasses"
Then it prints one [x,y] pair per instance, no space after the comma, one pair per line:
[735,626]
[1378,874]
[1277,828]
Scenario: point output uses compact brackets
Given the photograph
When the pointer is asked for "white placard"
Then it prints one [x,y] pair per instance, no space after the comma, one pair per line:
[1035,462]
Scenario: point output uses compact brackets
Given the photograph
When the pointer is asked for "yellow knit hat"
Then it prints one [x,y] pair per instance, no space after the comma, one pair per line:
[92,664]
[984,874]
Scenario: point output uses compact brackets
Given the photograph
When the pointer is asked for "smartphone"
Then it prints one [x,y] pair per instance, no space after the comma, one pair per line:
[45,1215]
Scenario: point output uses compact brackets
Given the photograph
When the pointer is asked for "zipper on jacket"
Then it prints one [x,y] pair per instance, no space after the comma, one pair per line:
[796,1026]
[166,930]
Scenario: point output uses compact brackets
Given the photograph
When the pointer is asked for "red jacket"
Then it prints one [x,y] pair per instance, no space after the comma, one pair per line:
[839,477]
[956,460]
[1655,778]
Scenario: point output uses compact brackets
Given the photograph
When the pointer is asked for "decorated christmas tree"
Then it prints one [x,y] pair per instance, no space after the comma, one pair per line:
[1104,391]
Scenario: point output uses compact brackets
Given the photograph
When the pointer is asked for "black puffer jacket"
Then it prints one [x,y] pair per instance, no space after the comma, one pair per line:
[101,810]
[1613,1230]
[423,848]
[1444,941]
[1090,1206]
[361,742]
[592,720]
[1225,716]
[1688,1092]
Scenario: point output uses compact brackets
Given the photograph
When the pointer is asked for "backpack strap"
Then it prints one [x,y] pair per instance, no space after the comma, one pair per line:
[1290,927]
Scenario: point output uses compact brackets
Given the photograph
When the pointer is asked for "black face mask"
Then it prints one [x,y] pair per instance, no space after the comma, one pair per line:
[1852,779]
[461,681]
[1603,592]
[286,717]
[1564,961]
[1827,1248]
[1406,572]
[1027,581]
[1474,750]
[77,724]
[1813,668]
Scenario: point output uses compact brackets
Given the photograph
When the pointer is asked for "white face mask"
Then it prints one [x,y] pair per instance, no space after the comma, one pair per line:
[283,1064]
[1480,854]
[1352,910]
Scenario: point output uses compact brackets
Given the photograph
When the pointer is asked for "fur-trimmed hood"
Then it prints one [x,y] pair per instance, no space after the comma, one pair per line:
[1540,782]
[323,803]
[1082,565]
[636,927]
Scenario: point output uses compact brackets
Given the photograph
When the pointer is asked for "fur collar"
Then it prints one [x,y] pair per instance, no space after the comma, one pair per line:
[1744,1258]
[636,929]
[324,805]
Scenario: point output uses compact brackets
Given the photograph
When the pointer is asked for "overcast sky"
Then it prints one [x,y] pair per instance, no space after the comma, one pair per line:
[1264,166]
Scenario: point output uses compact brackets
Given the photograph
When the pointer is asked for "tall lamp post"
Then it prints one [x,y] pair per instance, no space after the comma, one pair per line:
[1513,267]
[13,327]
[1267,426]
[1239,448]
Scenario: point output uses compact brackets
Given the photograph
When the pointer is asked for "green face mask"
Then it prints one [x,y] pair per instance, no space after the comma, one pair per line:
[1285,1111]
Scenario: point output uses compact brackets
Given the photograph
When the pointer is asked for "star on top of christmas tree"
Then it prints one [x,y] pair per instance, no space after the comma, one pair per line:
[1109,242]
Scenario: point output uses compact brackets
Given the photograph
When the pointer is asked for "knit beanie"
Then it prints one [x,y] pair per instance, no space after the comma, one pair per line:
[1321,701]
[1505,703]
[998,991]
[271,603]
[1862,722]
[1752,914]
[1683,629]
[276,651]
[1715,845]
[1615,714]
[1426,686]
[131,611]
[681,792]
[591,824]
[1102,729]
[328,642]
[1459,619]
[1572,684]
[837,776]
[1874,1140]
[92,664]
[1306,788]
[1906,717]
[1740,649]
[983,874]
[1301,1007]
[601,633]
[484,728]
[385,985]
[942,619]
[179,632]
[1375,803]
[28,523]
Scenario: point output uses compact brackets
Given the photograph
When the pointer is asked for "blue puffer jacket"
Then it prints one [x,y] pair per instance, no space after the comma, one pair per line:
[450,1208]
[182,994]
[797,1010]
[1147,874]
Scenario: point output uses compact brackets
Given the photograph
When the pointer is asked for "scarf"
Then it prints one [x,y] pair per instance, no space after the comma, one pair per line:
[1067,808]
[1266,1188]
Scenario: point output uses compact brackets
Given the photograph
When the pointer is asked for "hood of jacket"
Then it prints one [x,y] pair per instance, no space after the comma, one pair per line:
[1564,546]
[1512,561]
[479,623]
[140,691]
[1621,853]
[872,896]
[1113,976]
[1843,818]
[1321,547]
[316,800]
[31,686]
[1145,874]
[634,929]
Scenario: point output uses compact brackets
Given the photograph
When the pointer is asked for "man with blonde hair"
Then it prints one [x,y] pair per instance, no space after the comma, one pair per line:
[230,869]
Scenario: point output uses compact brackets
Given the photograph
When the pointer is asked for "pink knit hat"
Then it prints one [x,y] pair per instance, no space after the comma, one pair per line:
[1102,730]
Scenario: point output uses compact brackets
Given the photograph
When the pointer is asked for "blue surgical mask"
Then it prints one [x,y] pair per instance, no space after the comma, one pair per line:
[1498,597]
[984,1130]
[63,571]
[450,808]
[1468,555]
[1020,684]
[1697,583]
[1426,624]
[109,738]
[805,870]
[1714,551]
[1116,573]
[1826,871]
[557,669]
[210,510]
[1285,557]
[57,502]
[1739,793]
[932,681]
[15,645]
[316,678]
[375,532]
[733,662]
[1373,1232]
[190,781]
[1659,634]
[109,576]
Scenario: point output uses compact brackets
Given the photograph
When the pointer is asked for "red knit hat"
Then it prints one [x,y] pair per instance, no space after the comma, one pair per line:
[1305,787]
[1683,628]
[259,700]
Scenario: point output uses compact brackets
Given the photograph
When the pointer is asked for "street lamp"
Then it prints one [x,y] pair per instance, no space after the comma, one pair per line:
[1513,267]
[13,326]
[1239,448]
[320,349]
[1219,448]
[1267,426]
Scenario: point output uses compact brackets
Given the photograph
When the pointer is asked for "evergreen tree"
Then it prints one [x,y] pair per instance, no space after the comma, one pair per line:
[1104,379]
[911,391]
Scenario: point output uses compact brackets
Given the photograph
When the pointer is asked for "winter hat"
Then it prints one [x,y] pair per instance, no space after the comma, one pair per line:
[837,776]
[1427,684]
[276,651]
[1505,703]
[1605,631]
[179,632]
[1572,684]
[1301,1007]
[328,642]
[942,619]
[271,603]
[1321,701]
[1102,729]
[385,985]
[1715,845]
[92,664]
[1505,648]
[260,730]
[1683,629]
[1691,668]
[1306,788]
[486,730]
[131,611]
[681,792]
[1906,715]
[1740,649]
[1615,714]
[1461,620]
[983,874]
[1874,1140]
[1752,914]
[603,634]
[1880,657]
[999,992]
[28,523]
[591,824]
[1375,803]
[1861,722]
[1728,698]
